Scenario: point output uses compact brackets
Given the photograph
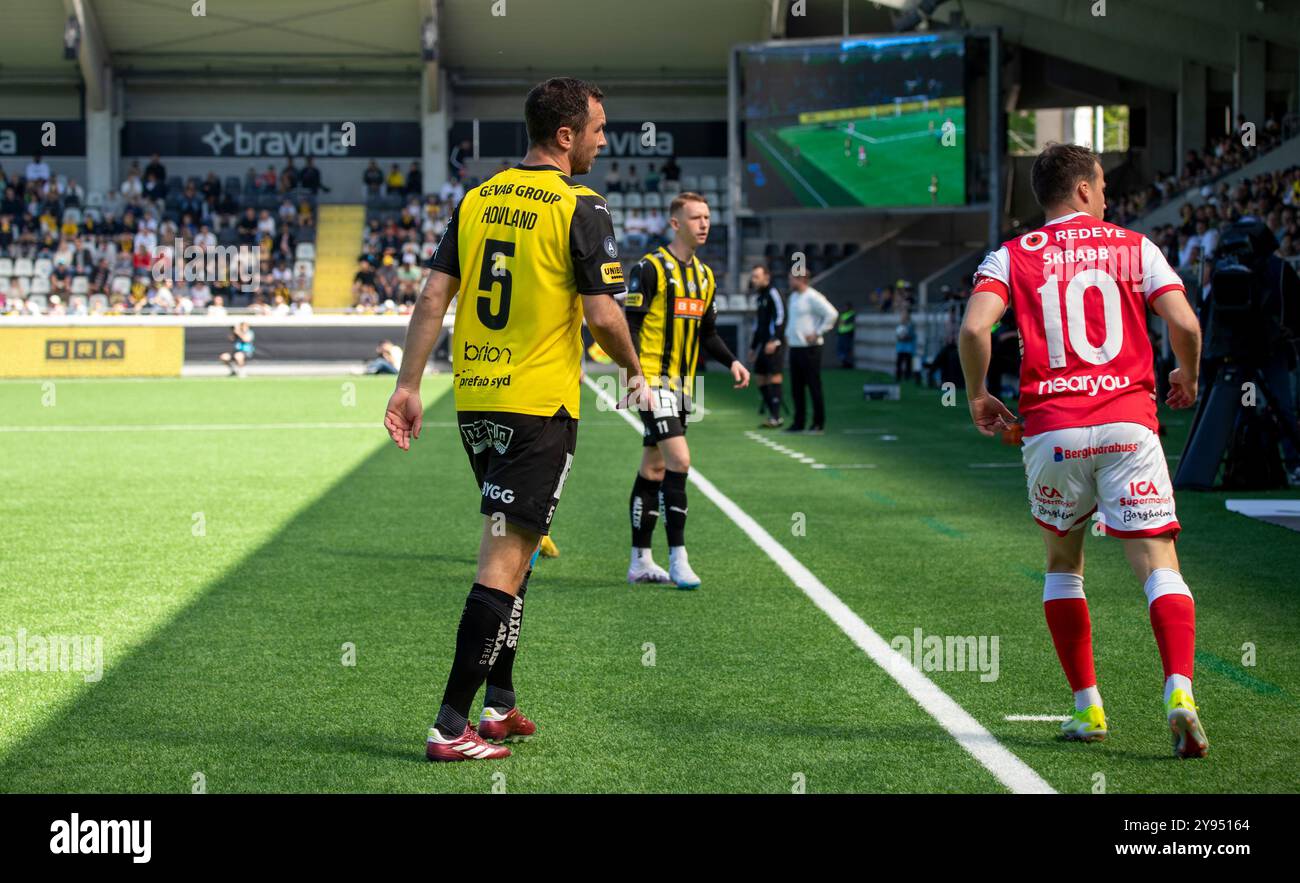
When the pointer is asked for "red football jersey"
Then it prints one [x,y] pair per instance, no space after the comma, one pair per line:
[1081,288]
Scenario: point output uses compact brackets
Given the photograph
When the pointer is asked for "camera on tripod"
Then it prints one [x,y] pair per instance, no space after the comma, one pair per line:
[1251,319]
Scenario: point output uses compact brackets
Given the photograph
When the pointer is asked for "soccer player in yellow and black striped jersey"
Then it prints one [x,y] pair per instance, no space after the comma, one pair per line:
[527,253]
[672,316]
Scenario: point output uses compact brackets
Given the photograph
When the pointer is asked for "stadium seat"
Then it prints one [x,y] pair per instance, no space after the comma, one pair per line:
[670,189]
[304,268]
[234,185]
[708,182]
[98,303]
[40,285]
[690,182]
[6,268]
[652,200]
[23,267]
[175,184]
[121,285]
[633,200]
[72,216]
[614,200]
[305,251]
[93,214]
[711,197]
[94,198]
[80,285]
[5,285]
[38,303]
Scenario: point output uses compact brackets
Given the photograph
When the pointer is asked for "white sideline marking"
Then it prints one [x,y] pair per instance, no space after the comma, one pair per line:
[1018,718]
[997,465]
[1011,771]
[844,466]
[206,427]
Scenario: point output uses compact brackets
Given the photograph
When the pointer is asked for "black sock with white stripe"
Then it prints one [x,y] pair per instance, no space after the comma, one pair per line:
[479,639]
[644,506]
[500,694]
[672,495]
[772,393]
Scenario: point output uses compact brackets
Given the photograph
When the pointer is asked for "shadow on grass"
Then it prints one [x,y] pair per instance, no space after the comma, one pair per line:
[249,685]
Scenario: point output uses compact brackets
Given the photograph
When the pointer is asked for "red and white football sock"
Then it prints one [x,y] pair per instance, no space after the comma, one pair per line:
[1068,620]
[1173,619]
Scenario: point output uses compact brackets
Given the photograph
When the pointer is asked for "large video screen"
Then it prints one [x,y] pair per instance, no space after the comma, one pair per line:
[857,122]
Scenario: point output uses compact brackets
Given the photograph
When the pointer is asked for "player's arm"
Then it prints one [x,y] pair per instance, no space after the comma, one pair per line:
[1185,341]
[1164,292]
[641,286]
[715,346]
[599,278]
[405,413]
[975,345]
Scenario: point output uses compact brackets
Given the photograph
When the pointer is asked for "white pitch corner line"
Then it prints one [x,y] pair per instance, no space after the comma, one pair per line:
[1011,771]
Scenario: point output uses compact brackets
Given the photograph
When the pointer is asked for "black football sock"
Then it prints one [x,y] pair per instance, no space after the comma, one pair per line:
[672,494]
[774,400]
[500,693]
[644,506]
[479,638]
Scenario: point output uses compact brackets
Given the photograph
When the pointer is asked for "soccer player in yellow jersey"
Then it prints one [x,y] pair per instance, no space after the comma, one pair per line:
[671,313]
[527,254]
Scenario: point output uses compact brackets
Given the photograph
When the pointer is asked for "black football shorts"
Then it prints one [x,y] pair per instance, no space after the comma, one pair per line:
[768,365]
[520,462]
[667,417]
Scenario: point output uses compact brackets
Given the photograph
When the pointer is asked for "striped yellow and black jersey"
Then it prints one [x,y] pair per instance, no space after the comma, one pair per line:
[670,311]
[524,245]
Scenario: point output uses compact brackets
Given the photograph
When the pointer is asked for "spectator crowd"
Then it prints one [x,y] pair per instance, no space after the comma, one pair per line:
[118,252]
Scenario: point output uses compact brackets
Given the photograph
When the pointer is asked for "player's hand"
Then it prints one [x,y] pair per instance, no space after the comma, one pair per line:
[403,417]
[1182,389]
[771,346]
[810,339]
[989,415]
[638,395]
[740,374]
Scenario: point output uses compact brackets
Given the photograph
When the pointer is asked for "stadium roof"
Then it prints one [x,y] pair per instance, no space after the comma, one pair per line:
[315,37]
[1143,40]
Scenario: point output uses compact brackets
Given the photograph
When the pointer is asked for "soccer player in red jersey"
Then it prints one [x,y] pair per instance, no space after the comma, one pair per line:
[1081,290]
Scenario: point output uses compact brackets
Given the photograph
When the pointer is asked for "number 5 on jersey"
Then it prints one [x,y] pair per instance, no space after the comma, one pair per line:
[494,272]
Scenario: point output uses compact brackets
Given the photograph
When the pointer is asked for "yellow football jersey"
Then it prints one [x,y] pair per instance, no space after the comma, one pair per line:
[525,245]
[678,312]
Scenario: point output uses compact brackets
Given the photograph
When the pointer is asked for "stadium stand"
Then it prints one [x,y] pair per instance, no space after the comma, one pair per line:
[64,251]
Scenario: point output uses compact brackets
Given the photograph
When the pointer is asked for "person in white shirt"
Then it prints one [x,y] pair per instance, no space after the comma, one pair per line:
[132,188]
[451,193]
[37,169]
[809,315]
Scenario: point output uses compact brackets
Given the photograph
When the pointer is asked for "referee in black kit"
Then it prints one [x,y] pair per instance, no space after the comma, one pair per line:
[766,349]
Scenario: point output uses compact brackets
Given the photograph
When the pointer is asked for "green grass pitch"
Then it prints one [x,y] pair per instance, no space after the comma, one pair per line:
[226,568]
[902,154]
